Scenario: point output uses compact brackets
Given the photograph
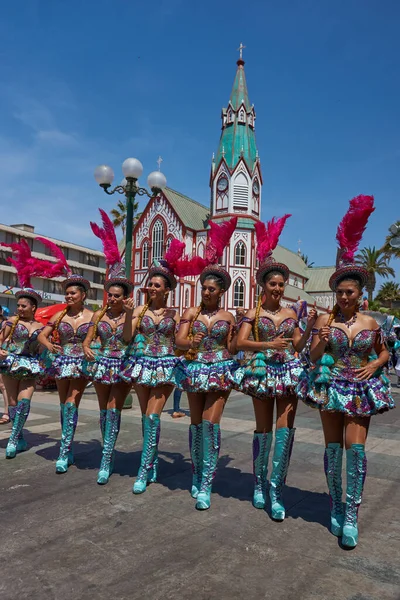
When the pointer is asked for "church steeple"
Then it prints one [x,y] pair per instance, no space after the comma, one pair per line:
[235,173]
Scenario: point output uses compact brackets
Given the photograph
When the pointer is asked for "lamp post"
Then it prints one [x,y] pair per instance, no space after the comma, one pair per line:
[132,169]
[395,231]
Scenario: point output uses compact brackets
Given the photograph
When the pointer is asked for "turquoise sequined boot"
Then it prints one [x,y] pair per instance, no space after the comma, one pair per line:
[152,474]
[69,423]
[196,454]
[102,422]
[151,434]
[211,447]
[261,449]
[356,472]
[113,422]
[333,471]
[280,463]
[18,416]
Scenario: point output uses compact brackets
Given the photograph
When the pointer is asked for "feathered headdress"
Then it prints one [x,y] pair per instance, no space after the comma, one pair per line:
[348,236]
[115,264]
[168,266]
[267,240]
[27,266]
[65,269]
[218,238]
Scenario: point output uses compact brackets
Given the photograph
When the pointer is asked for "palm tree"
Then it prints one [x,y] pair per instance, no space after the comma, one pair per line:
[389,292]
[119,214]
[305,259]
[375,261]
[387,248]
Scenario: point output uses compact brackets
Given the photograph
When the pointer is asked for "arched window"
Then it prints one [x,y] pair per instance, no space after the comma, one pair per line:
[240,254]
[186,299]
[200,250]
[238,293]
[242,117]
[145,255]
[240,193]
[158,240]
[167,245]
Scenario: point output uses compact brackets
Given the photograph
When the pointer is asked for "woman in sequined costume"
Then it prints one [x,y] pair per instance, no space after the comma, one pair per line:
[103,366]
[273,371]
[63,339]
[151,364]
[208,335]
[347,385]
[19,353]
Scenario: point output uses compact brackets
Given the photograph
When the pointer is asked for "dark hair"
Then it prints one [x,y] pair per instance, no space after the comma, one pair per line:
[166,280]
[270,274]
[80,287]
[353,277]
[123,287]
[218,280]
[31,299]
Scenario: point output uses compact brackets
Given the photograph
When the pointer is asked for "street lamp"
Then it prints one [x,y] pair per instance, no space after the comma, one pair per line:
[132,169]
[395,231]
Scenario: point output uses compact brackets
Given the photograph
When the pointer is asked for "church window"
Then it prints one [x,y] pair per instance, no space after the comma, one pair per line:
[238,293]
[240,253]
[242,117]
[240,193]
[145,255]
[158,240]
[200,251]
[167,245]
[186,299]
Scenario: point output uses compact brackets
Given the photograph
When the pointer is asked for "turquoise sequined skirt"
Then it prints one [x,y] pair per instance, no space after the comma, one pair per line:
[63,366]
[20,367]
[270,380]
[353,398]
[103,369]
[150,371]
[196,376]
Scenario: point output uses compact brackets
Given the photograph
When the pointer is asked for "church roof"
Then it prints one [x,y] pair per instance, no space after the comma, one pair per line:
[318,278]
[192,214]
[238,138]
[292,260]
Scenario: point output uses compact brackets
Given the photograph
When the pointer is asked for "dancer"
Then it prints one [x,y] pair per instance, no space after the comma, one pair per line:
[103,366]
[19,354]
[274,371]
[347,384]
[207,333]
[152,362]
[63,338]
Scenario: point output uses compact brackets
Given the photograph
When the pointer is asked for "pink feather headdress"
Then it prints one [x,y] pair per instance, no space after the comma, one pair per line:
[348,236]
[267,239]
[115,264]
[27,266]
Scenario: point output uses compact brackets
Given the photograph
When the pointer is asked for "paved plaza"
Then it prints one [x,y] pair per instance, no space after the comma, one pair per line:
[64,536]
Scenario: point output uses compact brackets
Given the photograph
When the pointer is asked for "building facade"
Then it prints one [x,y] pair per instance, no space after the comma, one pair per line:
[236,190]
[83,261]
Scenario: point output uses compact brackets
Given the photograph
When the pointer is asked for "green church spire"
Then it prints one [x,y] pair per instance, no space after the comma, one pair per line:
[238,121]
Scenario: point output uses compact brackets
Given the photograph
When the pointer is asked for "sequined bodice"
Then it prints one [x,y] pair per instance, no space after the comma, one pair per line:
[71,340]
[23,343]
[213,346]
[159,338]
[349,355]
[267,332]
[112,342]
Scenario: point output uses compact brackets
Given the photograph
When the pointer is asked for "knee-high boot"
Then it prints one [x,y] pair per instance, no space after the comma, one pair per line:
[102,422]
[356,472]
[18,416]
[333,471]
[69,423]
[112,425]
[280,463]
[211,448]
[261,449]
[151,436]
[152,475]
[196,455]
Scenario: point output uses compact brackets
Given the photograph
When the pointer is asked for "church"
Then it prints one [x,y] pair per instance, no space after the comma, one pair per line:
[236,190]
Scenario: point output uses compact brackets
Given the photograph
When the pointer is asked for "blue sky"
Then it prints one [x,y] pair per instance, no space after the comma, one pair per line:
[84,83]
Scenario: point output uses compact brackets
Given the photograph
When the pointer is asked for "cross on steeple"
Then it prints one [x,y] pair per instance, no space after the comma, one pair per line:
[299,250]
[159,161]
[240,49]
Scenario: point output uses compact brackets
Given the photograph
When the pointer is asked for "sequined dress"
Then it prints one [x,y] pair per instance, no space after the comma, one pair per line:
[271,373]
[152,361]
[22,360]
[213,368]
[341,391]
[68,364]
[107,366]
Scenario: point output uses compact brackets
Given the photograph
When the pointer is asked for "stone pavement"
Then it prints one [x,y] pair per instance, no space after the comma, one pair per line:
[63,536]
